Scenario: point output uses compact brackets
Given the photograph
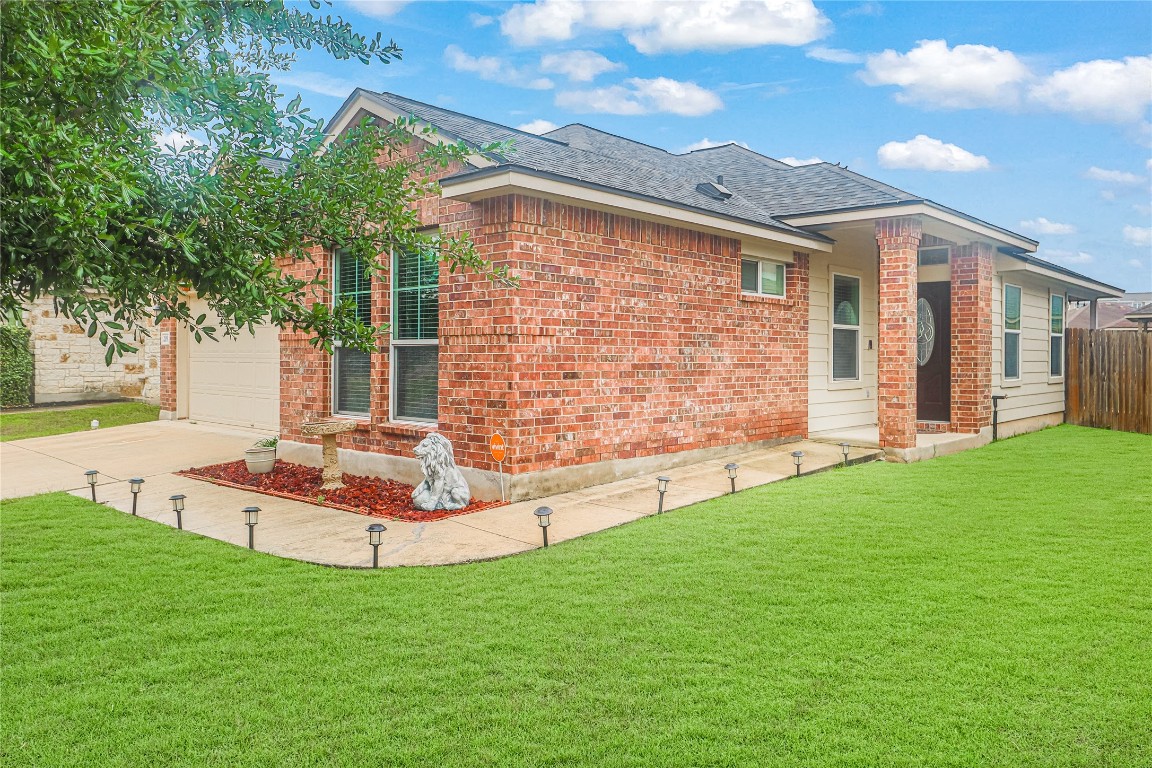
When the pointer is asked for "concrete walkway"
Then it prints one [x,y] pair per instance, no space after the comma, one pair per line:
[332,537]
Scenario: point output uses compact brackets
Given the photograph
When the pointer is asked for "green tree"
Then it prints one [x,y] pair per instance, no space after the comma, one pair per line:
[117,228]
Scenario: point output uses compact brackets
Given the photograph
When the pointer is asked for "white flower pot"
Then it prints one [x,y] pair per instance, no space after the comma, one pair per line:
[260,460]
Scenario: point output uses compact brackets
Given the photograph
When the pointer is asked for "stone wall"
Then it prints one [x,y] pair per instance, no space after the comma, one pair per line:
[70,366]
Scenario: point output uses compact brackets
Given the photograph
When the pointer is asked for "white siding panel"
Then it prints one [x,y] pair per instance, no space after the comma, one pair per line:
[1034,393]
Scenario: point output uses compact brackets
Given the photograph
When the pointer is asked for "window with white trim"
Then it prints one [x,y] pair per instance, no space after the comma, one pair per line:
[415,335]
[1012,309]
[351,368]
[845,328]
[1056,302]
[766,278]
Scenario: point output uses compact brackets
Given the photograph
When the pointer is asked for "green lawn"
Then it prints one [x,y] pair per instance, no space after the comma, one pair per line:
[16,425]
[992,608]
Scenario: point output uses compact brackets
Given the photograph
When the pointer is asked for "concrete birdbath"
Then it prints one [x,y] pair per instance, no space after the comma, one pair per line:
[328,431]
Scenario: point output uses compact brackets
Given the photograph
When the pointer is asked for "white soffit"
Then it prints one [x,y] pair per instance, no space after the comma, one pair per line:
[1077,287]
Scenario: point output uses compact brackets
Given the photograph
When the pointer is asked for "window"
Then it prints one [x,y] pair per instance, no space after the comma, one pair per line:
[927,257]
[415,326]
[1056,335]
[1012,303]
[763,277]
[845,328]
[351,368]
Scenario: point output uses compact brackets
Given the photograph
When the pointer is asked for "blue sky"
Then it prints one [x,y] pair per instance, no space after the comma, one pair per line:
[1033,116]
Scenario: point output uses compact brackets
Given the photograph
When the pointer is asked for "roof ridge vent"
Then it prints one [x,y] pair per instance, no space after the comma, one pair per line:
[714,189]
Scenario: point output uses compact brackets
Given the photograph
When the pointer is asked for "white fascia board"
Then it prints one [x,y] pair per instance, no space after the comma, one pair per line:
[363,103]
[976,230]
[1080,288]
[514,182]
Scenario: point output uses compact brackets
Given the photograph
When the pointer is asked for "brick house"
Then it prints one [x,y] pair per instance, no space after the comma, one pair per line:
[670,308]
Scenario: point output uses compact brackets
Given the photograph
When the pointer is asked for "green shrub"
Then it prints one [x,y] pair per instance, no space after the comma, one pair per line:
[15,365]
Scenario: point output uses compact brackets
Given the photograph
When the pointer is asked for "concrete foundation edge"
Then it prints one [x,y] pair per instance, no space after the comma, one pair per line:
[967,442]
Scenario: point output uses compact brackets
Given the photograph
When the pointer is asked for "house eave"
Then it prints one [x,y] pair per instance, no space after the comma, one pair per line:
[1079,287]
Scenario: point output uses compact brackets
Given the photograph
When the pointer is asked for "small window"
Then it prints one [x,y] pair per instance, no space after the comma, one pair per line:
[927,257]
[351,368]
[845,328]
[415,335]
[766,278]
[1056,335]
[1012,308]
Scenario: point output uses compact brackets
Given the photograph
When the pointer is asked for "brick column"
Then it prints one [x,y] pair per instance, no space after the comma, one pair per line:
[898,241]
[971,337]
[167,367]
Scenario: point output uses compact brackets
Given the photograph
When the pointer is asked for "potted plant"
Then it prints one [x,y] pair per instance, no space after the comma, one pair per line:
[261,457]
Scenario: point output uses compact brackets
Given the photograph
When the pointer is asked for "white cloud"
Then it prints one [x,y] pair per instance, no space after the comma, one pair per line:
[378,9]
[1135,263]
[1105,90]
[317,82]
[798,161]
[538,126]
[493,68]
[834,55]
[480,20]
[1140,236]
[175,140]
[1112,177]
[924,153]
[639,96]
[963,77]
[707,143]
[1042,226]
[658,26]
[578,66]
[1068,257]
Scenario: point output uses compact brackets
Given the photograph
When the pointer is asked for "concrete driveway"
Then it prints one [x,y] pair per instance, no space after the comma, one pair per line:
[58,463]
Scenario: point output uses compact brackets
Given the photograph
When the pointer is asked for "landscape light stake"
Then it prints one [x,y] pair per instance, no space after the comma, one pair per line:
[92,475]
[543,517]
[798,457]
[732,474]
[662,487]
[844,448]
[178,507]
[134,484]
[375,537]
[250,515]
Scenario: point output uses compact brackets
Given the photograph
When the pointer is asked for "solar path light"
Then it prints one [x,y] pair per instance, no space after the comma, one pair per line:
[250,515]
[134,484]
[662,487]
[375,537]
[92,476]
[844,448]
[798,457]
[178,507]
[732,474]
[544,519]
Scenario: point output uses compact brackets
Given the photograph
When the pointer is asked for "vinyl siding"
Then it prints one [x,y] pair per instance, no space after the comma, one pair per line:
[1034,393]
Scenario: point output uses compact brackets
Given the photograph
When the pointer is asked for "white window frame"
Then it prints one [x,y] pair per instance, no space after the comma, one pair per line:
[833,326]
[760,277]
[394,343]
[1063,330]
[332,379]
[1019,332]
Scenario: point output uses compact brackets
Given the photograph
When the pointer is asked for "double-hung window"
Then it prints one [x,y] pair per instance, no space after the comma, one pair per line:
[1056,335]
[845,328]
[415,325]
[1012,309]
[351,368]
[765,278]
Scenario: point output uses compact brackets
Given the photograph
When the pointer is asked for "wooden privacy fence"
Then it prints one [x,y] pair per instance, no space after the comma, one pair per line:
[1109,381]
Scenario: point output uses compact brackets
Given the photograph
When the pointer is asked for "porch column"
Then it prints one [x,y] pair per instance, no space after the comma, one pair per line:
[166,331]
[898,241]
[1093,318]
[971,337]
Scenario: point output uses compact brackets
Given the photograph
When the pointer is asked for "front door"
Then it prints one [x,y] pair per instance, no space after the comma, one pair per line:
[934,352]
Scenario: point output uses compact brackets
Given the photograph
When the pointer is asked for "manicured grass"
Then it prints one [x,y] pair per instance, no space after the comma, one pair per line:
[992,608]
[16,425]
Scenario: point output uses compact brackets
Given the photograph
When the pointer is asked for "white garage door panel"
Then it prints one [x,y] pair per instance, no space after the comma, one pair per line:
[236,381]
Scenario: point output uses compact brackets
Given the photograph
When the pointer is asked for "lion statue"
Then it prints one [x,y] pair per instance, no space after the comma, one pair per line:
[443,487]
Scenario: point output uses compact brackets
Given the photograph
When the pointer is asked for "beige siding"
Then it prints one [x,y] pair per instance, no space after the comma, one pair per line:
[1034,393]
[842,405]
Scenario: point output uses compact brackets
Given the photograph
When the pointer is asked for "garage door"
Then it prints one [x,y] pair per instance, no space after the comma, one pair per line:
[235,381]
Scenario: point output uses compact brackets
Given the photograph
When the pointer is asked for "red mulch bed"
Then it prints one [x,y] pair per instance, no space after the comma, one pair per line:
[372,496]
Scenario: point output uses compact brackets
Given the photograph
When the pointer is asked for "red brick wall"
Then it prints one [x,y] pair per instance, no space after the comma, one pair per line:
[167,365]
[971,337]
[898,241]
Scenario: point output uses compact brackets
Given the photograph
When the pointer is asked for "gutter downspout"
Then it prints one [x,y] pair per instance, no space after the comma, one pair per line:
[996,415]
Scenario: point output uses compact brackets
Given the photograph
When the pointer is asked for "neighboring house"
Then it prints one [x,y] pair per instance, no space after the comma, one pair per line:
[1141,316]
[671,307]
[1110,314]
[69,366]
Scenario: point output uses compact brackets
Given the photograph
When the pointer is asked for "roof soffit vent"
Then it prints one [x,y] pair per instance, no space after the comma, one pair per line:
[714,189]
